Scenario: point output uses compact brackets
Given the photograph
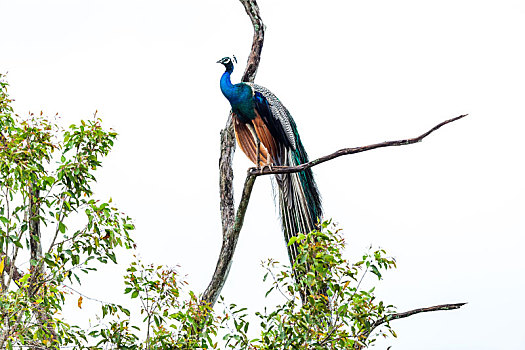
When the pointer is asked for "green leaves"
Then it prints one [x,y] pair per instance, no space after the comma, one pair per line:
[171,323]
[46,175]
[336,313]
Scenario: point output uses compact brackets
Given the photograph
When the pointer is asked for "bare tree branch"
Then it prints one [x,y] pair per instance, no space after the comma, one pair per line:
[345,151]
[226,176]
[229,242]
[231,222]
[405,314]
[252,9]
[397,316]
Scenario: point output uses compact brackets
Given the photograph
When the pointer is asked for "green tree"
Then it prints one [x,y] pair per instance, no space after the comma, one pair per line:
[50,216]
[337,313]
[46,174]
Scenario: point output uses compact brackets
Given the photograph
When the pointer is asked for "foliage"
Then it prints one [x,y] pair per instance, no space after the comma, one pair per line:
[46,174]
[336,312]
[169,322]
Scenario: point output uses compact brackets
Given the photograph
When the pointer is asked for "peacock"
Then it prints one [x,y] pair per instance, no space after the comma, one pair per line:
[266,132]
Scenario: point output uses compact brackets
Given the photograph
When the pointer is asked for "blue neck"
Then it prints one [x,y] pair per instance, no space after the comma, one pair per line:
[226,85]
[240,97]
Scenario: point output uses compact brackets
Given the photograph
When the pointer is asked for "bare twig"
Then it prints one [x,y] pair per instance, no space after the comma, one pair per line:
[397,316]
[84,296]
[277,285]
[345,151]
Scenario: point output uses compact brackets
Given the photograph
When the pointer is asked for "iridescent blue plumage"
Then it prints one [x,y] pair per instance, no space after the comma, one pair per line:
[266,130]
[239,95]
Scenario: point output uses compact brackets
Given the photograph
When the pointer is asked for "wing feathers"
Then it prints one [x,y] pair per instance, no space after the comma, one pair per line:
[299,200]
[275,113]
[266,137]
[247,142]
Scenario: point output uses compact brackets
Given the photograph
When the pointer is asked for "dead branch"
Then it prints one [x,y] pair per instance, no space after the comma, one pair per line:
[397,316]
[231,222]
[346,151]
[252,9]
[229,242]
[400,315]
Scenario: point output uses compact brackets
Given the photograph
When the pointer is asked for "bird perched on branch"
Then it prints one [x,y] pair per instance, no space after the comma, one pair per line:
[267,134]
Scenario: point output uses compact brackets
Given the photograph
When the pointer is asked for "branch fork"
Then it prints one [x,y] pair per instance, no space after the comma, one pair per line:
[232,220]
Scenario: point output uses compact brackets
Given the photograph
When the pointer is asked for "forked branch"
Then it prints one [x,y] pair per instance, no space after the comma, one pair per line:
[232,220]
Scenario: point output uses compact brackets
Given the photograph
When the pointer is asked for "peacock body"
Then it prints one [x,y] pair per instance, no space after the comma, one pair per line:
[267,134]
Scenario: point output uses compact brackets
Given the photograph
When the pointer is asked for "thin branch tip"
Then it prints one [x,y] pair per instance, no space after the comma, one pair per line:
[400,315]
[345,151]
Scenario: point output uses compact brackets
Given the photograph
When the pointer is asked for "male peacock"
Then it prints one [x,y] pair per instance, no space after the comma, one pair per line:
[267,134]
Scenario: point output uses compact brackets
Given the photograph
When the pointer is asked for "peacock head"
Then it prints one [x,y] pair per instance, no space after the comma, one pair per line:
[228,62]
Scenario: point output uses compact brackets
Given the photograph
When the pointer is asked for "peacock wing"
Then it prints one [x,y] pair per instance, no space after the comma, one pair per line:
[247,141]
[275,115]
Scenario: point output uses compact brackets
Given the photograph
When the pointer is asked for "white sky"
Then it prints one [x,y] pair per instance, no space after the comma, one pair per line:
[352,73]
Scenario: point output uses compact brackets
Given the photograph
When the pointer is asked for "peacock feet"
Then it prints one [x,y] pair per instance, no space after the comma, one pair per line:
[261,168]
[264,166]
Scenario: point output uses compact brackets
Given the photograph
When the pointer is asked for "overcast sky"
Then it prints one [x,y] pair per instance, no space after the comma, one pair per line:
[352,73]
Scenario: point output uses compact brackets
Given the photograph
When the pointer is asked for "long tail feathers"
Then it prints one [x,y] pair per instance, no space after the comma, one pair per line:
[299,199]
